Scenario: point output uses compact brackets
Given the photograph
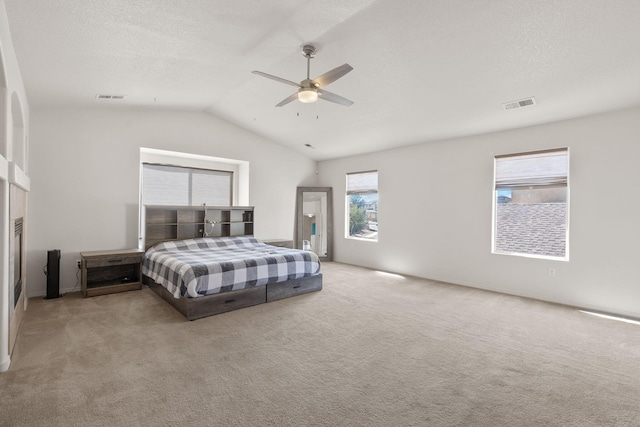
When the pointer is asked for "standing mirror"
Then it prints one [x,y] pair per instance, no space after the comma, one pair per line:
[314,220]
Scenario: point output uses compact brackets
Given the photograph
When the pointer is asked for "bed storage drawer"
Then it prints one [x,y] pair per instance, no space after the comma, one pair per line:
[290,288]
[196,308]
[232,300]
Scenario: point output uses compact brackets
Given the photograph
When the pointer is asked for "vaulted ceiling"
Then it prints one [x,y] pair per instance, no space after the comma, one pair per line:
[423,70]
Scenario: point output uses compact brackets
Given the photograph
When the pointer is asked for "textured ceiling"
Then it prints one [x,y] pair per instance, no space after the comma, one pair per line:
[423,70]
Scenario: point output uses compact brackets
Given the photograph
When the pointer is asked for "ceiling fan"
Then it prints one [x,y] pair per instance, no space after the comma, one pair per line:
[312,90]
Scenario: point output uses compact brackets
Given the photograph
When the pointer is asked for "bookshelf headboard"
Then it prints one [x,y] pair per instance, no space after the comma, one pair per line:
[164,223]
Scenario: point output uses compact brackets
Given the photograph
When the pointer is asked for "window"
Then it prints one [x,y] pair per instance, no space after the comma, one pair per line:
[176,185]
[531,204]
[362,205]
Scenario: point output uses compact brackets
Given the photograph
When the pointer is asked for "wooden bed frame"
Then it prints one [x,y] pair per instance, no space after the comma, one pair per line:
[209,305]
[189,222]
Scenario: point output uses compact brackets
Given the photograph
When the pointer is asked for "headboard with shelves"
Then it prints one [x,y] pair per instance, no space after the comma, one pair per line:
[163,223]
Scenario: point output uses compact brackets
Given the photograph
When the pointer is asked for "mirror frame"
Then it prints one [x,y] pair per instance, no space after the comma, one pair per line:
[300,212]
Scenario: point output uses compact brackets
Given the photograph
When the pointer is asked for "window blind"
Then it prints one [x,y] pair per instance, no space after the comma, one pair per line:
[182,186]
[532,169]
[362,182]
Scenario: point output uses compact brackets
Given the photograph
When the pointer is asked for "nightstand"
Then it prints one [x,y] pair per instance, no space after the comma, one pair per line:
[283,243]
[107,272]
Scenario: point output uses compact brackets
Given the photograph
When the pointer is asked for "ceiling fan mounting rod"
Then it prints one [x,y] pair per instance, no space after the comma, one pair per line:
[308,51]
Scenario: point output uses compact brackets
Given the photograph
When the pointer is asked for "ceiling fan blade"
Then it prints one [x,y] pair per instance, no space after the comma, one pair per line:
[331,76]
[332,97]
[288,99]
[278,79]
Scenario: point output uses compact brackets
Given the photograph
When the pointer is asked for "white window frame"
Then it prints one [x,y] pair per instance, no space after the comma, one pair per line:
[363,190]
[538,182]
[240,169]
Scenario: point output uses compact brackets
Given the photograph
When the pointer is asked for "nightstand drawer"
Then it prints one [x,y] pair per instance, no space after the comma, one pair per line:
[118,260]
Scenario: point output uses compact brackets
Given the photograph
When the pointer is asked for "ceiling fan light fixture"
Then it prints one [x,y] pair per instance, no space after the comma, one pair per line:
[307,95]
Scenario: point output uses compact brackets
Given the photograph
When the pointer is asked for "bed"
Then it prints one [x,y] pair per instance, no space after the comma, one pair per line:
[210,275]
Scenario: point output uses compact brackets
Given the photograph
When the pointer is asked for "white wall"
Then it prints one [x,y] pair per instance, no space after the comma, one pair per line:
[14,120]
[85,177]
[435,203]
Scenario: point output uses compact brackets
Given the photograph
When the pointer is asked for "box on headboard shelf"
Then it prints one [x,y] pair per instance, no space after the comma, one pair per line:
[164,223]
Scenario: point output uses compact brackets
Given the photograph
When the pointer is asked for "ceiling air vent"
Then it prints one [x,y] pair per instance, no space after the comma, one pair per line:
[519,104]
[104,96]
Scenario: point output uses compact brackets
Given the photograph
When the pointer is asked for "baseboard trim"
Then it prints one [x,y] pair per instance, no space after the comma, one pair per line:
[4,365]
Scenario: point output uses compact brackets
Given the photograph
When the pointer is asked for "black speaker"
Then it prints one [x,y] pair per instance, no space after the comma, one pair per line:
[53,274]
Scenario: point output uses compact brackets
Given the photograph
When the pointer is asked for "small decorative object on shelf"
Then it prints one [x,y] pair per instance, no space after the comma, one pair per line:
[107,272]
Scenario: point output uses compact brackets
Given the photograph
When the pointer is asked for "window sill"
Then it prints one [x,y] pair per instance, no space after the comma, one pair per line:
[545,257]
[361,239]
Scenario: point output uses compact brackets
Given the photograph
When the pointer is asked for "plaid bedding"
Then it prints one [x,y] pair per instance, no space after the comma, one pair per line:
[211,265]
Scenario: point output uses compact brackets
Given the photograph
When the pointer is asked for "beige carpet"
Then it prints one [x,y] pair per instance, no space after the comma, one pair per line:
[370,349]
